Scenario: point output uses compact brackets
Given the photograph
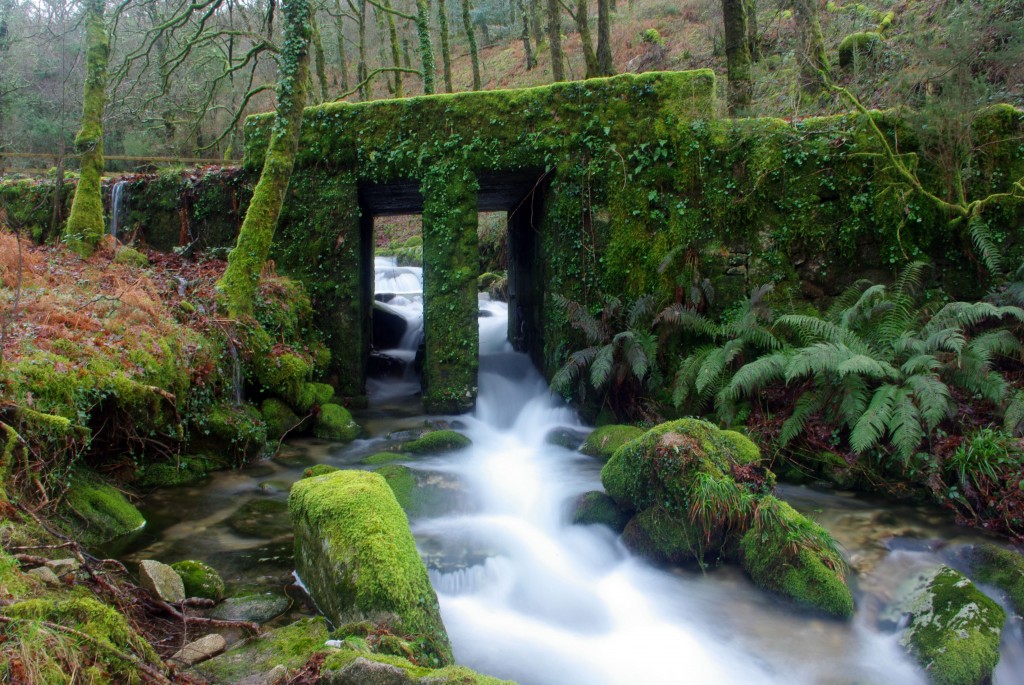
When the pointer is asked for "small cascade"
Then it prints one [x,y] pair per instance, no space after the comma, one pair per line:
[236,372]
[398,328]
[117,196]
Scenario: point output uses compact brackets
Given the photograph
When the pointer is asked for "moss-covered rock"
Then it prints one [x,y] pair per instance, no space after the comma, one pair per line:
[687,465]
[1003,568]
[602,442]
[318,470]
[98,511]
[186,469]
[335,423]
[954,629]
[279,417]
[201,580]
[596,507]
[402,483]
[785,552]
[290,646]
[131,257]
[235,430]
[258,607]
[313,395]
[856,48]
[356,555]
[382,458]
[437,442]
[657,535]
[349,666]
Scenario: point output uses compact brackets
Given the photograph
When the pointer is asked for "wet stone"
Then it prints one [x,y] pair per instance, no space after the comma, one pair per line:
[202,649]
[45,575]
[258,608]
[161,580]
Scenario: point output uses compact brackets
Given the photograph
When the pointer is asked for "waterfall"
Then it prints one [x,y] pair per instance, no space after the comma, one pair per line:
[117,193]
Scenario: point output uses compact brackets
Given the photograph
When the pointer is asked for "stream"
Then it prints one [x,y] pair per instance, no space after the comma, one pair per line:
[529,597]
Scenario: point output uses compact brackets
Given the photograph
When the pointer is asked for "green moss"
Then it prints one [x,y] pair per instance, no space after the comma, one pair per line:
[338,660]
[12,581]
[437,442]
[238,431]
[954,629]
[313,395]
[787,553]
[856,48]
[381,458]
[279,418]
[603,441]
[598,508]
[659,536]
[402,483]
[186,469]
[131,257]
[357,557]
[318,470]
[98,511]
[201,580]
[335,423]
[290,646]
[1003,568]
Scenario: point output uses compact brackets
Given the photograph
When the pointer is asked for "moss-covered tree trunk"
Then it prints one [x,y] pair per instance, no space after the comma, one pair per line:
[737,55]
[527,48]
[582,18]
[426,49]
[536,26]
[339,22]
[362,71]
[85,224]
[605,63]
[446,53]
[555,40]
[752,31]
[813,58]
[245,263]
[451,262]
[321,66]
[396,50]
[474,55]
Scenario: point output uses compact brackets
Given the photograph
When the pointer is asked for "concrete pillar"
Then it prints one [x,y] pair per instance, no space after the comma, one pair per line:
[451,261]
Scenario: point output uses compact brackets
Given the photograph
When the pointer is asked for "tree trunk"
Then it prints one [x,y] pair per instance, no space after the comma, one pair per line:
[362,71]
[530,62]
[813,59]
[752,38]
[85,224]
[321,67]
[342,53]
[474,55]
[605,63]
[396,50]
[426,49]
[536,26]
[555,40]
[446,54]
[737,55]
[245,263]
[583,26]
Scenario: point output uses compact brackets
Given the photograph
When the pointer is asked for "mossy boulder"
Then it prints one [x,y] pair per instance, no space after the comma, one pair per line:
[200,580]
[382,458]
[258,607]
[348,666]
[679,464]
[290,646]
[129,256]
[602,442]
[335,423]
[1000,567]
[437,442]
[186,469]
[596,507]
[98,511]
[954,629]
[660,536]
[279,417]
[235,430]
[785,552]
[356,555]
[319,470]
[857,47]
[313,395]
[402,483]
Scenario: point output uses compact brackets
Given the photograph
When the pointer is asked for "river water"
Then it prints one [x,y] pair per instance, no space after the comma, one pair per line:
[527,596]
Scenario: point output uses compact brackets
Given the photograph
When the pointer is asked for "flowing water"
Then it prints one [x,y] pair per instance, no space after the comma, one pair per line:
[117,195]
[527,596]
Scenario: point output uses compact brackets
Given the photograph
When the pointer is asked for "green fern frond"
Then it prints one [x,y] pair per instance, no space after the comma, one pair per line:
[847,299]
[908,283]
[581,319]
[602,365]
[872,425]
[1001,343]
[640,311]
[985,244]
[689,320]
[853,397]
[759,337]
[863,365]
[920,363]
[711,372]
[811,329]
[635,353]
[819,358]
[946,339]
[757,374]
[567,376]
[1013,417]
[809,404]
[932,396]
[686,376]
[849,316]
[905,424]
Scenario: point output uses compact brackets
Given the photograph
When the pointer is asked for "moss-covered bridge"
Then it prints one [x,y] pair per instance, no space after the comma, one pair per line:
[602,180]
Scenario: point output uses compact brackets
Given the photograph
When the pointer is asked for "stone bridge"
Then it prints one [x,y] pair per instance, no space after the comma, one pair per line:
[620,186]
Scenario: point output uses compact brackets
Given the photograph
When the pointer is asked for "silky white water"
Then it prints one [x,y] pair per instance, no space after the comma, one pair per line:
[548,603]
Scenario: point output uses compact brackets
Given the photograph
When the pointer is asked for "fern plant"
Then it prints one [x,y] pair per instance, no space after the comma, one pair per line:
[883,368]
[618,364]
[707,371]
